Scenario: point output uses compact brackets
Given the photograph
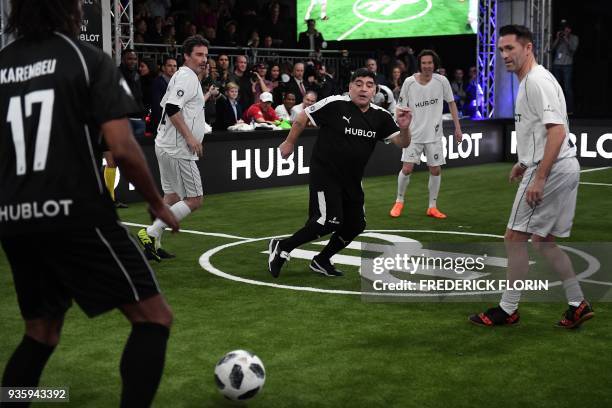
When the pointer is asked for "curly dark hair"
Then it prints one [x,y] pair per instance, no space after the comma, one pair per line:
[35,18]
[434,56]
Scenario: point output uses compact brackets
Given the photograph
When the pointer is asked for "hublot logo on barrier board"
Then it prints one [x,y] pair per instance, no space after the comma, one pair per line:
[602,149]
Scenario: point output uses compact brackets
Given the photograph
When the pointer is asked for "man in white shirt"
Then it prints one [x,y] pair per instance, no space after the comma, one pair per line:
[384,98]
[310,98]
[283,111]
[178,144]
[549,172]
[424,92]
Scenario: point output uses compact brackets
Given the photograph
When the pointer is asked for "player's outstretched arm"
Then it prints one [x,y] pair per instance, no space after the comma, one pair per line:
[131,161]
[286,148]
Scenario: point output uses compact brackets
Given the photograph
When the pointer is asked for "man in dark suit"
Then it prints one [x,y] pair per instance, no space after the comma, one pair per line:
[297,85]
[311,39]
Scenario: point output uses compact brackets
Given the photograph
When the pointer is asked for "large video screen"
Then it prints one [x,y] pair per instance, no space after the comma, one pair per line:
[372,19]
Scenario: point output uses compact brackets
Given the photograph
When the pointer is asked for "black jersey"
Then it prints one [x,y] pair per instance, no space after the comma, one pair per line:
[54,95]
[347,136]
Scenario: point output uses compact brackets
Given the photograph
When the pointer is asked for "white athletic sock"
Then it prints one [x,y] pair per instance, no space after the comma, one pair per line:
[324,10]
[573,292]
[180,211]
[510,300]
[402,183]
[434,189]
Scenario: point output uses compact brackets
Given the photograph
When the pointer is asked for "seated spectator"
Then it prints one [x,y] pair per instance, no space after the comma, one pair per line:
[205,17]
[210,33]
[157,8]
[229,36]
[229,111]
[283,111]
[261,112]
[310,98]
[155,35]
[311,39]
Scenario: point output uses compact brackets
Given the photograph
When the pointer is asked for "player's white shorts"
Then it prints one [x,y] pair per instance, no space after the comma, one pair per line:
[180,176]
[555,214]
[434,152]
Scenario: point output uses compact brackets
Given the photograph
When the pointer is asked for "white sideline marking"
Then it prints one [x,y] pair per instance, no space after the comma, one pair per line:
[595,169]
[211,234]
[595,184]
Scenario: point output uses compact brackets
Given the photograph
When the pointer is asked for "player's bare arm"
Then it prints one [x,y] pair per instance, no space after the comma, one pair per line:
[286,148]
[517,172]
[179,122]
[455,115]
[403,116]
[131,161]
[555,137]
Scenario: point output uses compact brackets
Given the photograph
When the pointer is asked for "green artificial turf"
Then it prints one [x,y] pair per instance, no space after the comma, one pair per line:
[330,350]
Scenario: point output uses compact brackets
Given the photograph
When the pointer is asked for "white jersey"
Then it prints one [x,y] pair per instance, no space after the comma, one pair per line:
[426,102]
[540,101]
[183,90]
[282,113]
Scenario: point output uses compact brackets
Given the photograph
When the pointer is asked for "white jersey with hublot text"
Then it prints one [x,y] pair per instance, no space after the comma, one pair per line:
[540,101]
[183,90]
[426,102]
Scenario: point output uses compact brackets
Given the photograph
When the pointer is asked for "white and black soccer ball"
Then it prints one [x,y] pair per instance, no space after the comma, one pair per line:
[240,375]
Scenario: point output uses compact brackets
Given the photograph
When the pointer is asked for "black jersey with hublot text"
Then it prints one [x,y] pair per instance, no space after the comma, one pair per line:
[55,93]
[347,136]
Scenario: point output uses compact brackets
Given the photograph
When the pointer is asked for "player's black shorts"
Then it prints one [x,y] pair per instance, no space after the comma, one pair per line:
[333,202]
[100,268]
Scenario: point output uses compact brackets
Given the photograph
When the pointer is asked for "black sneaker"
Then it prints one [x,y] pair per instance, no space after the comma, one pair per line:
[324,267]
[163,254]
[148,244]
[575,316]
[119,204]
[277,257]
[495,316]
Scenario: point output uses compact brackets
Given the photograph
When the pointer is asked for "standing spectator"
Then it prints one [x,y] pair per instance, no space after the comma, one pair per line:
[240,66]
[129,70]
[158,89]
[458,87]
[148,72]
[326,83]
[311,39]
[372,66]
[261,112]
[229,36]
[396,80]
[274,26]
[259,82]
[229,111]
[406,55]
[296,84]
[223,71]
[283,111]
[474,96]
[564,47]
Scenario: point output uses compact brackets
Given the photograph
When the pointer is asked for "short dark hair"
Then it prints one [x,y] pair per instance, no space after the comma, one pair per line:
[35,18]
[433,54]
[127,51]
[523,34]
[167,58]
[194,41]
[362,72]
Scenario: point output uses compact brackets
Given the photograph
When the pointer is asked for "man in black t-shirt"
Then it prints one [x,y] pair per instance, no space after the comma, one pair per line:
[350,126]
[57,97]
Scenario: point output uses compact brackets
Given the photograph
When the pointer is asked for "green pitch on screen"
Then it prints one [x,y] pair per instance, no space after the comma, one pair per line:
[370,19]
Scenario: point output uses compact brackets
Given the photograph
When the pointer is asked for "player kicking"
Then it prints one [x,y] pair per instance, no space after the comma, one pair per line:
[424,93]
[58,96]
[178,144]
[350,127]
[549,172]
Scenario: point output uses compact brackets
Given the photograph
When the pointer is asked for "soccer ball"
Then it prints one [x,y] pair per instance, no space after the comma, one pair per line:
[240,375]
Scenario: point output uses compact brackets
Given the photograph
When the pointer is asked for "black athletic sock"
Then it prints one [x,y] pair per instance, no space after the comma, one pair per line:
[27,363]
[335,245]
[310,232]
[142,363]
